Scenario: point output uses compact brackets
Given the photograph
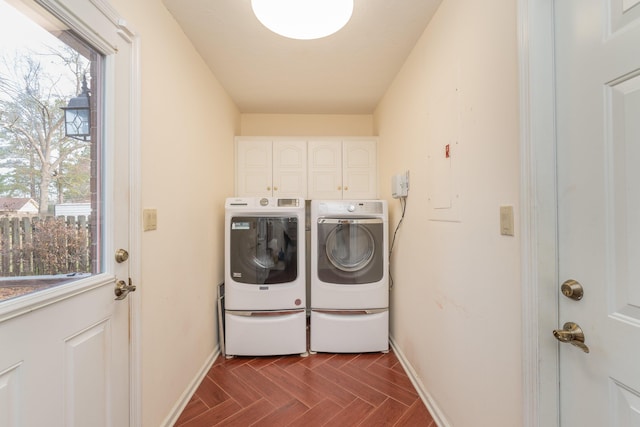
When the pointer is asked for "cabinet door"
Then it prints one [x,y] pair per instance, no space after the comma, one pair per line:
[359,169]
[325,169]
[253,168]
[290,168]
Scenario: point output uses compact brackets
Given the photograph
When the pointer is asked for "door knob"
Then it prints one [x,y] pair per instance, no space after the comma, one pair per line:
[571,333]
[122,289]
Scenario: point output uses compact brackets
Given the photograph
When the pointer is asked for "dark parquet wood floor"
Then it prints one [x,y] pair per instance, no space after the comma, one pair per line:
[340,390]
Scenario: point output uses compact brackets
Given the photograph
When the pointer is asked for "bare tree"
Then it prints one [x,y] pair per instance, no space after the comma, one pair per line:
[32,121]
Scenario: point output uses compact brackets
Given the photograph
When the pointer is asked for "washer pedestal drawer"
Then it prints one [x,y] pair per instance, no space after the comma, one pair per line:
[265,333]
[349,331]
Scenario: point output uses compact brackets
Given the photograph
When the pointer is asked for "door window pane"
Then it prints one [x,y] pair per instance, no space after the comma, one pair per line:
[49,179]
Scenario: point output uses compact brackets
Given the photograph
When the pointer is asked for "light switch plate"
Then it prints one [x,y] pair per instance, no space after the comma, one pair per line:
[506,220]
[150,219]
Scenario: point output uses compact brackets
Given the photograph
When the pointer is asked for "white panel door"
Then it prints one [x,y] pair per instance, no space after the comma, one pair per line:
[598,122]
[64,352]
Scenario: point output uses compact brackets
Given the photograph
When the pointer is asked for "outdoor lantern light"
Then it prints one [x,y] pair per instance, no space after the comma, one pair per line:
[77,115]
[303,19]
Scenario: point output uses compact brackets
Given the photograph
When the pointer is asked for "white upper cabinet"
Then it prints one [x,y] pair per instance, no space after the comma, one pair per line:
[359,169]
[266,168]
[253,168]
[342,169]
[290,168]
[312,168]
[325,169]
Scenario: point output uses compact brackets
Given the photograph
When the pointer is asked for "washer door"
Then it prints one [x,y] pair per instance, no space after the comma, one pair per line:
[350,251]
[263,250]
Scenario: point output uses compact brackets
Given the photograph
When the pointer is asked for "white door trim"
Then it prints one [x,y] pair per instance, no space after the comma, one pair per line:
[539,208]
[129,35]
[135,236]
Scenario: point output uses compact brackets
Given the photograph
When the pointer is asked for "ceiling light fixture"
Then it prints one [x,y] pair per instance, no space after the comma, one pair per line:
[303,19]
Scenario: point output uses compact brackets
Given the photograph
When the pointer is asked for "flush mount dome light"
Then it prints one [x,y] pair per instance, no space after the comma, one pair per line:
[303,19]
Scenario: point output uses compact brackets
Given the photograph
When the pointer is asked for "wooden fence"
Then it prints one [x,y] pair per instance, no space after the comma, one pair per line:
[38,246]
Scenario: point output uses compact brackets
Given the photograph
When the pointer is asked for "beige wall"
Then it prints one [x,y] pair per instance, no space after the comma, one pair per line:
[455,302]
[188,125]
[306,125]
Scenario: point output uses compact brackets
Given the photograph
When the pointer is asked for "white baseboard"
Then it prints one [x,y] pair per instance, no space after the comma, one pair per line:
[436,413]
[177,409]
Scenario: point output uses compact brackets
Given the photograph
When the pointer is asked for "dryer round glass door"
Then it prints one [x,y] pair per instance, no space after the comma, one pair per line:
[350,251]
[350,247]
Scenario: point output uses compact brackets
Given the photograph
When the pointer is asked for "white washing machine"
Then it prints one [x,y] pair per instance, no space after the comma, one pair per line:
[265,294]
[349,276]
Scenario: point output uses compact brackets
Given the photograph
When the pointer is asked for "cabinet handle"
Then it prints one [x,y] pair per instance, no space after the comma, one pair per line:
[339,188]
[268,188]
[275,188]
[346,188]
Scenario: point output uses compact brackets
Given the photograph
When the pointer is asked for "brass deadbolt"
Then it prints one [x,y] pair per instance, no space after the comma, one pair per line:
[572,289]
[121,256]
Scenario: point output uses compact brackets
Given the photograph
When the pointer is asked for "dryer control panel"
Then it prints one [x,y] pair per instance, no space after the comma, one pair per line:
[352,207]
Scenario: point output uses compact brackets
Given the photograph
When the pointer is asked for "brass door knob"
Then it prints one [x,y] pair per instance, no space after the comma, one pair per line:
[122,289]
[571,333]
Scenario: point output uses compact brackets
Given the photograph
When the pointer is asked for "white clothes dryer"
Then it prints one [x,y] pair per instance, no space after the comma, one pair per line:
[265,292]
[349,276]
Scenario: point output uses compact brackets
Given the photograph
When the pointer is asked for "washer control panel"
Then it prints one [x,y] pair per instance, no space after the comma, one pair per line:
[260,203]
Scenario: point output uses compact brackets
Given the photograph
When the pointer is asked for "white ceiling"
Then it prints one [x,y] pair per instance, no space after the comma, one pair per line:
[346,73]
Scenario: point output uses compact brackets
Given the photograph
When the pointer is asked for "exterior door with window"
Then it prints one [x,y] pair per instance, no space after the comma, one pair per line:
[598,161]
[64,338]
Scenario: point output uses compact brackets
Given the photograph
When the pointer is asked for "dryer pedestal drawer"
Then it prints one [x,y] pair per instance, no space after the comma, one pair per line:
[265,333]
[349,331]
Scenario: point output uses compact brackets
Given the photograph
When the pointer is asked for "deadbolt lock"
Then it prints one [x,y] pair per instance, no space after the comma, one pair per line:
[572,289]
[121,256]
